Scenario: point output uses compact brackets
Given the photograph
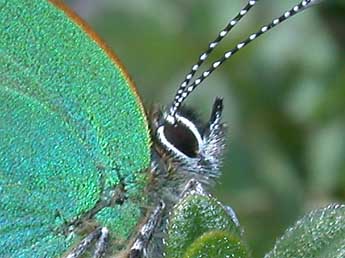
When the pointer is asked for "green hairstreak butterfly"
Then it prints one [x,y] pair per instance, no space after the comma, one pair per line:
[82,169]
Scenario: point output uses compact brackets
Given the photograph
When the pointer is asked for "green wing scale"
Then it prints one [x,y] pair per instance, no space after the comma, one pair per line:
[71,125]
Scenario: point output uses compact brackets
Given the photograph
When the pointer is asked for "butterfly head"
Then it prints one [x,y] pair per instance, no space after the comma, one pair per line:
[190,146]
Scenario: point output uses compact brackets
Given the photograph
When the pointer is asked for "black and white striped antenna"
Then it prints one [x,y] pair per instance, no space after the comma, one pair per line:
[187,86]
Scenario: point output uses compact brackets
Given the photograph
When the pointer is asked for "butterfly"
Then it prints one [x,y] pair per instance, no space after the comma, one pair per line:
[83,169]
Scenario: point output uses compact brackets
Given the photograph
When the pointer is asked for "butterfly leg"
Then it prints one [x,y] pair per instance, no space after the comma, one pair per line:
[195,187]
[142,240]
[102,243]
[232,215]
[101,235]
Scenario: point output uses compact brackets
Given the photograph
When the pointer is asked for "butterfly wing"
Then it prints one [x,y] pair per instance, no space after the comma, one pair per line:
[71,123]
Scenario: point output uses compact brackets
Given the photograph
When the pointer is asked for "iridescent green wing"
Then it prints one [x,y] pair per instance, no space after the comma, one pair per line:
[70,125]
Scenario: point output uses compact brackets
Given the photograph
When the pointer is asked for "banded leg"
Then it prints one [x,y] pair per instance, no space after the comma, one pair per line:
[102,243]
[101,235]
[141,242]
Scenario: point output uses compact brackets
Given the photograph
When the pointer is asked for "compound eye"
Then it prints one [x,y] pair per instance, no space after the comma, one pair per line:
[182,138]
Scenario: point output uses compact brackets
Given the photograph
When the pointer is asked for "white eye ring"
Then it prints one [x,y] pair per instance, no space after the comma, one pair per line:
[184,121]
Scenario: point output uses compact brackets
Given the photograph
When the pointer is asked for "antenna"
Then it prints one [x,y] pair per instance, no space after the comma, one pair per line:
[186,87]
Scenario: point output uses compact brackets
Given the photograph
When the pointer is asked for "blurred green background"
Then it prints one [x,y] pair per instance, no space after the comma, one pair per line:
[284,96]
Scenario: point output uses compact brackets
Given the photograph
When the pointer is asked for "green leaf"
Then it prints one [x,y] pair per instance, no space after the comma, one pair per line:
[319,234]
[197,221]
[217,244]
